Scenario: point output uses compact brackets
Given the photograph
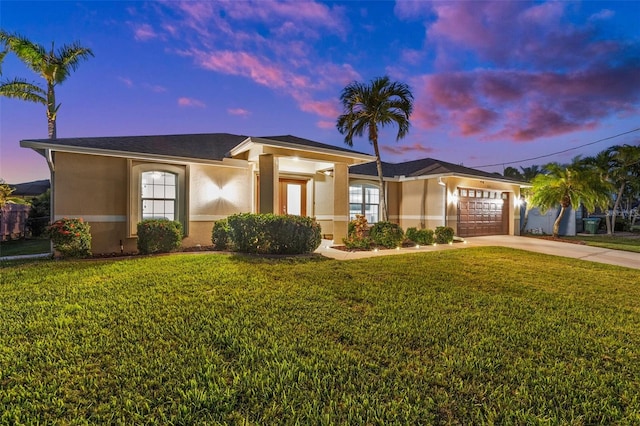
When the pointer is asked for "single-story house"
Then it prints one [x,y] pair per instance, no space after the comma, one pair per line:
[115,182]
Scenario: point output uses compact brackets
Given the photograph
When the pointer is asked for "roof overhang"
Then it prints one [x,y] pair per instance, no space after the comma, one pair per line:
[441,175]
[45,147]
[255,146]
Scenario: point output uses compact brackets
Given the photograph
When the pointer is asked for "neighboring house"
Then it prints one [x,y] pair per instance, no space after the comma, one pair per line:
[114,182]
[538,223]
[427,193]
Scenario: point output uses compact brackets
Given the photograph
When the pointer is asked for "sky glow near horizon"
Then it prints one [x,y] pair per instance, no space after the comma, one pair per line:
[494,82]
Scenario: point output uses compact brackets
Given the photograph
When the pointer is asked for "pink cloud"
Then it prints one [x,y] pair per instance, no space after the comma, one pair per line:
[126,81]
[326,124]
[144,32]
[416,148]
[190,102]
[327,109]
[239,111]
[524,105]
[243,64]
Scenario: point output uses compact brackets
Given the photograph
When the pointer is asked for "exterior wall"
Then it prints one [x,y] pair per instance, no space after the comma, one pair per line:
[539,223]
[94,188]
[323,202]
[422,204]
[215,192]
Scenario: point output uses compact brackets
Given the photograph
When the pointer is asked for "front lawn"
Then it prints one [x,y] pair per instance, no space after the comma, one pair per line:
[610,242]
[25,246]
[481,335]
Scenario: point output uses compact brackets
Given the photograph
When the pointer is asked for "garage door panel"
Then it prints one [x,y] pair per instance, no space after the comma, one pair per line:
[482,213]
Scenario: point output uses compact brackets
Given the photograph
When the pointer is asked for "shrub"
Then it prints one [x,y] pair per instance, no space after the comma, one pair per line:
[444,234]
[273,234]
[420,236]
[387,234]
[159,236]
[71,237]
[39,214]
[358,234]
[220,235]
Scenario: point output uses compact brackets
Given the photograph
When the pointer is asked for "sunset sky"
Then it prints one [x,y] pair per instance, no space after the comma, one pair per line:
[494,82]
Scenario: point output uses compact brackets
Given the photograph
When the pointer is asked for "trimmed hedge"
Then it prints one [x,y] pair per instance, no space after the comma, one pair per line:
[420,236]
[220,235]
[273,234]
[387,234]
[444,234]
[71,237]
[159,236]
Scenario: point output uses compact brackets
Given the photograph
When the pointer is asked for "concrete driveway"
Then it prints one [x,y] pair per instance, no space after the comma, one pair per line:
[555,248]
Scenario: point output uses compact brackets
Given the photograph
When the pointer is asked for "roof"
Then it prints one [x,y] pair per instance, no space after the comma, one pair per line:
[309,143]
[424,167]
[207,146]
[36,187]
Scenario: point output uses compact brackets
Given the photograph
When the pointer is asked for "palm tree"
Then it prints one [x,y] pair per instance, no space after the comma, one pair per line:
[53,65]
[367,107]
[625,171]
[603,162]
[528,173]
[569,186]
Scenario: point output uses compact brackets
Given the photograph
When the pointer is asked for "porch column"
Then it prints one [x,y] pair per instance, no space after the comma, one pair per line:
[340,202]
[268,165]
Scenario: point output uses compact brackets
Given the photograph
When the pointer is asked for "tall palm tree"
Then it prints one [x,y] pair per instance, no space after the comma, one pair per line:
[52,65]
[569,186]
[366,107]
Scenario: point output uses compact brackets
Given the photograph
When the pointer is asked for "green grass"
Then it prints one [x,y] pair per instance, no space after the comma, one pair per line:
[610,242]
[473,336]
[24,247]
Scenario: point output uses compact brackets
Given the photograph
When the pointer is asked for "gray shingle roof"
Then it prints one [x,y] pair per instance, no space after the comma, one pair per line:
[209,146]
[422,167]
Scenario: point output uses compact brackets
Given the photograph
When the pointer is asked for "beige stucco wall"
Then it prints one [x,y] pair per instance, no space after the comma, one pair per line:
[215,192]
[422,204]
[323,202]
[94,188]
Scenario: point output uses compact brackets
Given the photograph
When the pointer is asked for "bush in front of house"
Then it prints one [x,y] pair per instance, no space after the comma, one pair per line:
[444,234]
[420,236]
[71,237]
[387,234]
[358,234]
[273,234]
[220,235]
[159,236]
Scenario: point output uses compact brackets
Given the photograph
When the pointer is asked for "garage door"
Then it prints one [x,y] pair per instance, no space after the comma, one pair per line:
[482,212]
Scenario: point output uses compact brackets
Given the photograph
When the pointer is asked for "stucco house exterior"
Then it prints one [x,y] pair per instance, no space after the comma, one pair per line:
[115,182]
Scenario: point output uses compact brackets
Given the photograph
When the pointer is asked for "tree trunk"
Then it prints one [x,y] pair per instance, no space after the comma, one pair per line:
[384,212]
[51,111]
[523,225]
[556,224]
[616,206]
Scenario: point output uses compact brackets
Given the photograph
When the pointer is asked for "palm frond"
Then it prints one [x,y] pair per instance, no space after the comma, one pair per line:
[23,90]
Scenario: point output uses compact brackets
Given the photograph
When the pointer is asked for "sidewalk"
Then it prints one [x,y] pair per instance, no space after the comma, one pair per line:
[555,248]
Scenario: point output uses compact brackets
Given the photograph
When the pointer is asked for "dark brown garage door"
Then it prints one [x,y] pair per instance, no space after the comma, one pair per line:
[482,212]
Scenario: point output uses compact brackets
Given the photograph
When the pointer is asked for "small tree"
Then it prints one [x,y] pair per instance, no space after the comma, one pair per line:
[569,186]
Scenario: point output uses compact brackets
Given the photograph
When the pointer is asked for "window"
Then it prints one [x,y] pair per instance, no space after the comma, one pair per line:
[159,195]
[365,200]
[157,191]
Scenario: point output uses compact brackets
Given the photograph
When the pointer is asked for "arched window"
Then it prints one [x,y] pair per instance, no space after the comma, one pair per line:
[364,199]
[159,195]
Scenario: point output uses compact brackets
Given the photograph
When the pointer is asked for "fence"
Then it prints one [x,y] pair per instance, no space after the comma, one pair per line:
[13,221]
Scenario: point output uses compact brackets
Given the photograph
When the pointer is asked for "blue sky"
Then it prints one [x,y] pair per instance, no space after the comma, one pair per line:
[494,82]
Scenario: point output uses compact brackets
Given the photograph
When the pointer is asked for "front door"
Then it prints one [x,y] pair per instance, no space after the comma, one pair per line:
[293,197]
